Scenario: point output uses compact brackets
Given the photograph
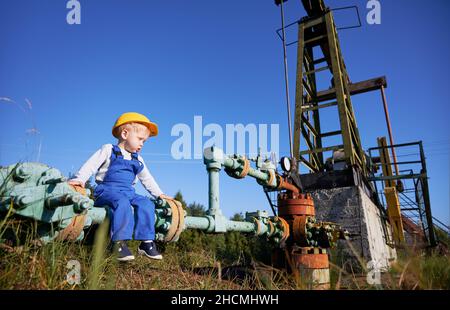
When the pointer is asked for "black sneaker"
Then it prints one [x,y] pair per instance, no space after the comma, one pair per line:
[122,251]
[149,249]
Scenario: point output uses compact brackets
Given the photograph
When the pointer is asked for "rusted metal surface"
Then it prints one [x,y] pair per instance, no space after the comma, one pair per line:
[299,230]
[296,210]
[313,261]
[355,88]
[286,228]
[284,184]
[303,205]
[313,266]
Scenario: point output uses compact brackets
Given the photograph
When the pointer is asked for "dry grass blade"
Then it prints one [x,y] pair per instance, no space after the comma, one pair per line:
[405,268]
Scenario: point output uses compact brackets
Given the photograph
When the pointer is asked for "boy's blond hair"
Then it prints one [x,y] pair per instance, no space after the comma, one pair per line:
[136,127]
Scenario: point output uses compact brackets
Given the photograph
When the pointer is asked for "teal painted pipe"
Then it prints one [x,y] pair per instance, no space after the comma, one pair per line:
[40,192]
[207,224]
[196,222]
[248,227]
[232,163]
[215,159]
[213,193]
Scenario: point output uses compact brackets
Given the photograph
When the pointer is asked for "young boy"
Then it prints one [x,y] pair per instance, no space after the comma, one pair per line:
[117,168]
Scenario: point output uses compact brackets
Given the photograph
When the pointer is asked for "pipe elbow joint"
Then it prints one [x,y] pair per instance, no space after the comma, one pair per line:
[213,157]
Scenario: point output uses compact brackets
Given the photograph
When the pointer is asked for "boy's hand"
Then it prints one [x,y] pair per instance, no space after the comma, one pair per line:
[75,183]
[166,197]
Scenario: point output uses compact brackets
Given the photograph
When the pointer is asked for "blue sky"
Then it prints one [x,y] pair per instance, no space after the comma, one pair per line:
[221,60]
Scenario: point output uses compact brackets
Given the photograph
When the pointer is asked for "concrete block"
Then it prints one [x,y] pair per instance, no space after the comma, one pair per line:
[353,209]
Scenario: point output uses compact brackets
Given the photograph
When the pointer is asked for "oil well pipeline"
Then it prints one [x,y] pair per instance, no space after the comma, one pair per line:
[366,203]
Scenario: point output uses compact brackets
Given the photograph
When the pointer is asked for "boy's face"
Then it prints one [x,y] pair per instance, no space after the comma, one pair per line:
[134,139]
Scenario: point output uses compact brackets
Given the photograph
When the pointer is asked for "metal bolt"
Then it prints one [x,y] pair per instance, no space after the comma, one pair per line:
[80,203]
[22,174]
[165,226]
[84,204]
[164,212]
[23,201]
[55,180]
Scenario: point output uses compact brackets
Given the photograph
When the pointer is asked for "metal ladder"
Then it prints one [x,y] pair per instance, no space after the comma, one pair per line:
[321,31]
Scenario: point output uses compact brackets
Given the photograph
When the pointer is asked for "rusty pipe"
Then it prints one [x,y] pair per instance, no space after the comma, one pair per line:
[388,122]
[284,184]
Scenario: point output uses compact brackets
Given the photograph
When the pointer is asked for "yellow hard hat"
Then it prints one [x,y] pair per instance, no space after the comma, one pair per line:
[133,117]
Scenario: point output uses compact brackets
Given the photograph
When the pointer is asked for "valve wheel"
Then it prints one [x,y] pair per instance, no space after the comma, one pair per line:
[177,223]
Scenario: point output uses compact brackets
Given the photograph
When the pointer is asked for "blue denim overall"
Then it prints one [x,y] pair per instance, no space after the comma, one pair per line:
[128,211]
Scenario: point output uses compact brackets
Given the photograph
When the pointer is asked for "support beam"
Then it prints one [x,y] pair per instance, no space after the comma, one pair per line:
[355,88]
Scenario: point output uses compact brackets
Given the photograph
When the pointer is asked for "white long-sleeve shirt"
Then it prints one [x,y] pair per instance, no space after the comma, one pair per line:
[99,163]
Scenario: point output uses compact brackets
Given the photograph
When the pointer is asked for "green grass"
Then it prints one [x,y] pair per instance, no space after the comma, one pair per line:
[195,262]
[34,266]
[415,270]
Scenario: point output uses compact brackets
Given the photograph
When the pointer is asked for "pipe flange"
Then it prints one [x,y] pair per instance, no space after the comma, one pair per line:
[271,228]
[72,231]
[279,181]
[177,222]
[299,230]
[170,235]
[258,226]
[180,220]
[286,232]
[272,177]
[246,168]
[285,228]
[234,173]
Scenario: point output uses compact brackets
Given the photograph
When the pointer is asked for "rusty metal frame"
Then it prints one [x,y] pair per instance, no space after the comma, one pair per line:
[420,178]
[321,31]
